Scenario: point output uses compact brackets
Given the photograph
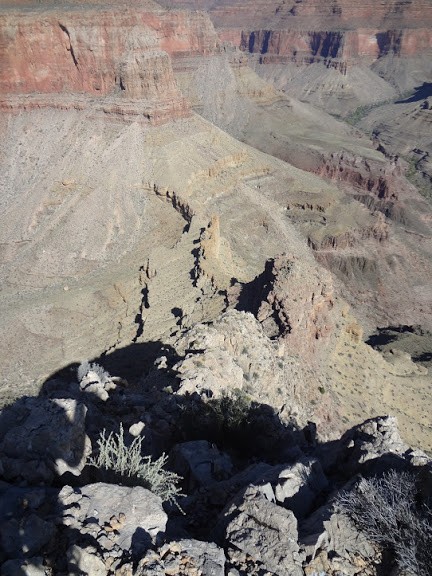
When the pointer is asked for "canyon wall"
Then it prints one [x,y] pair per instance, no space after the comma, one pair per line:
[366,45]
[301,14]
[336,55]
[121,53]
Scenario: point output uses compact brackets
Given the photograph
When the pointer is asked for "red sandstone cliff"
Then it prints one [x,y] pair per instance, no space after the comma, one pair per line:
[366,44]
[119,52]
[312,14]
[340,32]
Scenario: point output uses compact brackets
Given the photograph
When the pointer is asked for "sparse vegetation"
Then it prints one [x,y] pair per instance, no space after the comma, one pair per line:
[126,464]
[362,111]
[359,113]
[230,422]
[413,174]
[388,512]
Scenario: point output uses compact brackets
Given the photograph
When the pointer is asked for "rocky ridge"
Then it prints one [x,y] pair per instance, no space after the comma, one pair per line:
[403,129]
[194,222]
[343,236]
[147,234]
[273,513]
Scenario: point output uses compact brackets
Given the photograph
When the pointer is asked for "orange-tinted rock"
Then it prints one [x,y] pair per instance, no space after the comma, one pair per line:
[118,52]
[294,302]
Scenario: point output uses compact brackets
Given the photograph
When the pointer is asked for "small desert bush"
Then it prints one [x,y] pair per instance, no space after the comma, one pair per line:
[125,463]
[389,511]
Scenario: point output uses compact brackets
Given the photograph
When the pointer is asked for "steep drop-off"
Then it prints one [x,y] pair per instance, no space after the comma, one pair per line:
[129,215]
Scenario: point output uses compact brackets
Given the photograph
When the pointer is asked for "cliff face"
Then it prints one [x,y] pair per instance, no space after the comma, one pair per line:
[337,55]
[119,52]
[404,26]
[345,14]
[366,45]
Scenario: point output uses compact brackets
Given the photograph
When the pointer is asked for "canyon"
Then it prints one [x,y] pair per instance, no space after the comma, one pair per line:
[337,55]
[152,178]
[216,243]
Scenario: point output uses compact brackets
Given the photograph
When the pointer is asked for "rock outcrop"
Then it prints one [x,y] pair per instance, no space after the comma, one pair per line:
[276,547]
[239,515]
[302,322]
[129,218]
[40,440]
[118,518]
[403,129]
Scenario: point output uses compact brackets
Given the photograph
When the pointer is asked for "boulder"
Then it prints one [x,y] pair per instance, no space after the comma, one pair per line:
[84,561]
[207,556]
[183,558]
[42,438]
[28,567]
[24,528]
[25,537]
[297,486]
[371,447]
[200,463]
[372,439]
[340,548]
[265,531]
[343,539]
[119,518]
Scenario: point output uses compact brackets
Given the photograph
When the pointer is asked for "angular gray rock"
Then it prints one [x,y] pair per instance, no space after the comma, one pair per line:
[25,527]
[25,537]
[183,558]
[200,463]
[372,439]
[265,531]
[82,561]
[345,540]
[119,518]
[29,567]
[339,548]
[208,557]
[42,438]
[298,485]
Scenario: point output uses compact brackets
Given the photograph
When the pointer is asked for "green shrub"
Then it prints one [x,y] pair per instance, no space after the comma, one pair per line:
[126,464]
[232,422]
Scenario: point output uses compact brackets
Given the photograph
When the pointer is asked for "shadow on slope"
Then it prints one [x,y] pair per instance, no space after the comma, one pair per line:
[414,340]
[45,442]
[421,93]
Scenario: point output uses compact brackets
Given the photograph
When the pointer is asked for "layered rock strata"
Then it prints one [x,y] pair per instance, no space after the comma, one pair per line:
[337,56]
[125,223]
[120,53]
